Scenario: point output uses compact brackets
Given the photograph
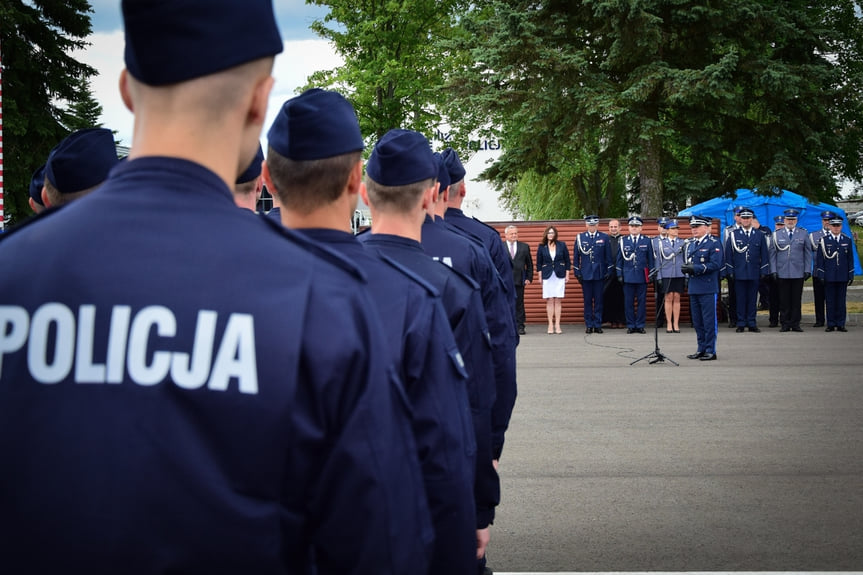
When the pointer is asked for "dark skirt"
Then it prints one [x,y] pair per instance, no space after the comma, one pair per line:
[612,307]
[674,285]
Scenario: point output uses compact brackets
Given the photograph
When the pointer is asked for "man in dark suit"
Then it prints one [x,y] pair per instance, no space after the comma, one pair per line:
[522,271]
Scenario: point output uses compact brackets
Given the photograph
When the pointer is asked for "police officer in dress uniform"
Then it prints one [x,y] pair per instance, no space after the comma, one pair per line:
[400,186]
[658,294]
[817,283]
[184,425]
[592,264]
[746,261]
[703,262]
[669,259]
[732,292]
[635,268]
[315,167]
[791,262]
[834,266]
[772,282]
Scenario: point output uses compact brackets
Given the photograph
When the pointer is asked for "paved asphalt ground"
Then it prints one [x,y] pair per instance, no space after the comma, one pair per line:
[753,462]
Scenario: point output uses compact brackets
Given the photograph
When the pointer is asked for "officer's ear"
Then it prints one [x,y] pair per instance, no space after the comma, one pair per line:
[257,112]
[355,179]
[125,94]
[45,201]
[364,194]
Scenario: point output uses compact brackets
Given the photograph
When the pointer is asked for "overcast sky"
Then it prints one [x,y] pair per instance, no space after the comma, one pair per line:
[304,53]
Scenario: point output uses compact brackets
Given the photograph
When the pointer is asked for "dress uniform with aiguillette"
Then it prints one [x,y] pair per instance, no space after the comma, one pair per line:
[791,261]
[186,388]
[834,265]
[592,264]
[746,262]
[703,262]
[635,268]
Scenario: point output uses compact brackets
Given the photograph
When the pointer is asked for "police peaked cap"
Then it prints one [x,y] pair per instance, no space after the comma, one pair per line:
[827,215]
[778,219]
[316,124]
[661,221]
[791,214]
[836,220]
[171,41]
[746,213]
[635,221]
[699,221]
[670,224]
[254,169]
[453,165]
[442,172]
[37,182]
[82,160]
[591,220]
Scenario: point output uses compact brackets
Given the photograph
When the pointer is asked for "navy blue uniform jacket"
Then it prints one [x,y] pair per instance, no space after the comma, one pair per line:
[188,389]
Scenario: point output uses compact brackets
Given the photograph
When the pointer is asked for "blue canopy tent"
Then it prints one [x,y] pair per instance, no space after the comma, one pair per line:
[766,207]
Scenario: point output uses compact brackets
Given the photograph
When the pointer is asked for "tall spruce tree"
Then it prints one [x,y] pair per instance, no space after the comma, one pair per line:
[678,99]
[40,81]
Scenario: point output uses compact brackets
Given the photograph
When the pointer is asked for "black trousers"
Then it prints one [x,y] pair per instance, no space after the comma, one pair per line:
[519,306]
[790,301]
[820,300]
[732,304]
[773,285]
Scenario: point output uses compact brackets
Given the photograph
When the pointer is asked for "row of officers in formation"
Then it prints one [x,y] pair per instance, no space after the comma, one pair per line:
[187,386]
[614,271]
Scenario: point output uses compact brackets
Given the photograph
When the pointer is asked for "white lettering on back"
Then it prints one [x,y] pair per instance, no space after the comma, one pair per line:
[62,318]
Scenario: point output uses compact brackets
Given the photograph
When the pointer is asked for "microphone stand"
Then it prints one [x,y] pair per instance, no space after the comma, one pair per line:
[656,356]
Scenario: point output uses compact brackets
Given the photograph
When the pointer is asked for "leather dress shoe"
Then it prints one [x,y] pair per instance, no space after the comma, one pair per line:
[773,325]
[740,329]
[829,329]
[841,328]
[588,330]
[797,328]
[784,329]
[755,329]
[640,330]
[630,330]
[818,324]
[697,355]
[597,330]
[521,331]
[708,357]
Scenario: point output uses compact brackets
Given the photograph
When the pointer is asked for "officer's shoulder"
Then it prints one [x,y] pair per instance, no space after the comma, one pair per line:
[410,274]
[29,222]
[466,278]
[490,228]
[802,229]
[330,256]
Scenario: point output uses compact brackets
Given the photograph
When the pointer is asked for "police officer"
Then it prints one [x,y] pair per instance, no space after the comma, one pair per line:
[185,426]
[635,268]
[669,260]
[703,262]
[78,165]
[314,166]
[400,186]
[834,266]
[465,252]
[818,283]
[772,282]
[592,264]
[746,261]
[791,262]
[249,184]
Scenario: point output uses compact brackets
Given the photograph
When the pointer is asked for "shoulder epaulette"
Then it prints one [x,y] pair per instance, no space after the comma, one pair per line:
[473,283]
[486,225]
[410,274]
[323,252]
[35,218]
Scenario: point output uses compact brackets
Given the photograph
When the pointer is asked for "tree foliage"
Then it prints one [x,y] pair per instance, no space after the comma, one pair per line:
[660,101]
[392,72]
[42,85]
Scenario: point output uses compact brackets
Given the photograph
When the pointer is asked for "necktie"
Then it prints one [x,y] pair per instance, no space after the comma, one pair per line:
[512,249]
